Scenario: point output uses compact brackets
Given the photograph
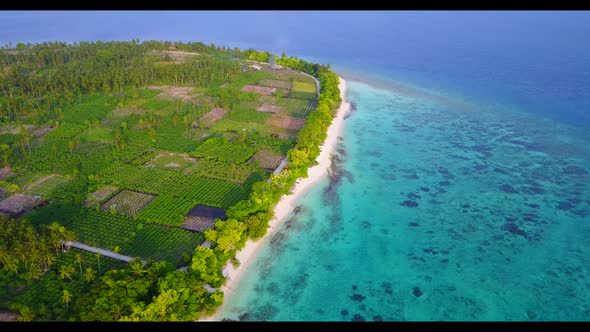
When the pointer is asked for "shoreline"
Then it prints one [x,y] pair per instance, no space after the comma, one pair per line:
[286,204]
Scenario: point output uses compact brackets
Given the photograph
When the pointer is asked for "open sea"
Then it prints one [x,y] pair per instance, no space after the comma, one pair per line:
[462,189]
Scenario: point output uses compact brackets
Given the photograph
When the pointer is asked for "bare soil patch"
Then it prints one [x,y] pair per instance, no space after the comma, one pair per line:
[37,132]
[213,116]
[14,129]
[262,90]
[18,204]
[177,56]
[5,172]
[8,316]
[285,122]
[173,92]
[266,108]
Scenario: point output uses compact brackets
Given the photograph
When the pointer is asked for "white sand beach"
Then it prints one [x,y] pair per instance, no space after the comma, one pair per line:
[287,203]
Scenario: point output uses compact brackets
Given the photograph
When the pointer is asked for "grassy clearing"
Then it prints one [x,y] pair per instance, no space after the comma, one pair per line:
[171,161]
[247,115]
[48,186]
[97,134]
[100,195]
[276,83]
[303,90]
[227,125]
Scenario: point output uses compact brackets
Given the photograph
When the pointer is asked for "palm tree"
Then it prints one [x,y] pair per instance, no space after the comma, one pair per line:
[66,271]
[79,261]
[26,314]
[136,267]
[98,260]
[89,274]
[66,298]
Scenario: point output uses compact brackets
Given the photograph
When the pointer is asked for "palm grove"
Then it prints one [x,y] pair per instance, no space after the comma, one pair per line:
[40,86]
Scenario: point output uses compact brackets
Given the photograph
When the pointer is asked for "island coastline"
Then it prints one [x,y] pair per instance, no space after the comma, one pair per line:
[286,204]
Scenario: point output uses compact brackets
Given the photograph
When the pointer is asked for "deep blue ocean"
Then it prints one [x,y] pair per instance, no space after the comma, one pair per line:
[463,190]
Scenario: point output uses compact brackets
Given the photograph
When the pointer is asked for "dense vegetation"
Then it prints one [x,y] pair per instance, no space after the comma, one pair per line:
[100,115]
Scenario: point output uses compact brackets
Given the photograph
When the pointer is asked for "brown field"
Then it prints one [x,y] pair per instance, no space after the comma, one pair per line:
[173,92]
[18,203]
[266,108]
[177,56]
[285,122]
[262,90]
[37,132]
[8,316]
[213,116]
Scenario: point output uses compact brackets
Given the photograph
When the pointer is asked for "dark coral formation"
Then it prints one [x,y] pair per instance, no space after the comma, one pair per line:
[357,297]
[408,203]
[508,189]
[417,292]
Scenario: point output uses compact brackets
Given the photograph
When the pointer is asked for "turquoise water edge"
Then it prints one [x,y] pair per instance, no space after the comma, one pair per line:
[438,210]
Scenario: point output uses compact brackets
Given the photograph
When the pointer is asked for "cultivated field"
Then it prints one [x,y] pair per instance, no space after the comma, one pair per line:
[128,202]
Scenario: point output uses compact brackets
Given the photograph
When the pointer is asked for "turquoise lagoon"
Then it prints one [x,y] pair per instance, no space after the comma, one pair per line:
[437,209]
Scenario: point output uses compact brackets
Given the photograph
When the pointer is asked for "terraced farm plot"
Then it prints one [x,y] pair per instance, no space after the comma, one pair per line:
[48,184]
[303,90]
[273,109]
[173,92]
[223,170]
[105,230]
[275,83]
[128,202]
[167,210]
[297,108]
[202,217]
[261,90]
[213,116]
[198,224]
[266,159]
[221,149]
[160,244]
[100,195]
[247,115]
[285,122]
[227,125]
[172,161]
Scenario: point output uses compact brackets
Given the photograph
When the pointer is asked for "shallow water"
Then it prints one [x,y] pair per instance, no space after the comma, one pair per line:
[440,212]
